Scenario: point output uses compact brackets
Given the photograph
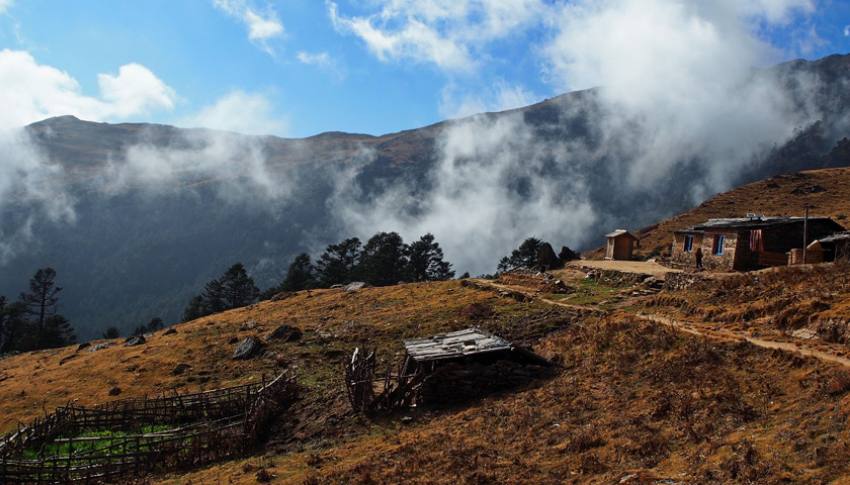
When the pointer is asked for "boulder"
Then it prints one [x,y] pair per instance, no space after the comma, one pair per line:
[67,358]
[169,331]
[356,286]
[115,391]
[83,346]
[287,333]
[135,340]
[180,368]
[249,347]
[100,346]
[282,295]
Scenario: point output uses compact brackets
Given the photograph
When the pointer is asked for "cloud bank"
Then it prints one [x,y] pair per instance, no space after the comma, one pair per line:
[238,111]
[677,97]
[32,91]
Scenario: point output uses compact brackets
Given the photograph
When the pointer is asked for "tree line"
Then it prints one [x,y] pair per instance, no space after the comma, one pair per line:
[534,253]
[384,260]
[33,321]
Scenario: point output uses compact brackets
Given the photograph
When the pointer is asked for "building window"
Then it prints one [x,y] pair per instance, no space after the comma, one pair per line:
[689,243]
[717,248]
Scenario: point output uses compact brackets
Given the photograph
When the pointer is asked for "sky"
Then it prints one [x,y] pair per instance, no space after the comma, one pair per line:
[296,68]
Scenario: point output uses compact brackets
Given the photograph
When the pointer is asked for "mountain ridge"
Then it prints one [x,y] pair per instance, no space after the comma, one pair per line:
[146,247]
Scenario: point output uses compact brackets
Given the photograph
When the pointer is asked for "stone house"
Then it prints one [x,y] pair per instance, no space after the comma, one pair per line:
[741,244]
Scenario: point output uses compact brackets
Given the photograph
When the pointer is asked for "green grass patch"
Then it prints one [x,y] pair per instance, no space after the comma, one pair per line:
[108,438]
[589,292]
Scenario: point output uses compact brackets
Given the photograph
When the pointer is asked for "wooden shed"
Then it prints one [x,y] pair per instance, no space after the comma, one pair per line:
[621,244]
[830,248]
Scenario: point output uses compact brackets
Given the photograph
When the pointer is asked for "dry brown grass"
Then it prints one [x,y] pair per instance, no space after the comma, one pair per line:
[333,322]
[784,302]
[634,398]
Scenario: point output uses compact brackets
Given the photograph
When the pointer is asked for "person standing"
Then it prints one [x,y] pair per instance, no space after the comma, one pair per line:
[698,258]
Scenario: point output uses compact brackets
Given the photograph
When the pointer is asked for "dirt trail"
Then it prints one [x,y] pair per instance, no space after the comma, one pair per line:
[636,267]
[730,336]
[693,329]
[536,296]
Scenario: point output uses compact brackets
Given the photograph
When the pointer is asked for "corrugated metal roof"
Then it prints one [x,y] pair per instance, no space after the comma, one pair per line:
[754,222]
[839,236]
[465,342]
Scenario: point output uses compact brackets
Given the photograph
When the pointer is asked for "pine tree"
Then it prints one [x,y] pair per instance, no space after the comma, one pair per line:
[213,297]
[238,289]
[195,309]
[425,261]
[111,333]
[46,328]
[155,324]
[338,264]
[13,325]
[42,300]
[233,290]
[384,259]
[57,332]
[300,275]
[525,256]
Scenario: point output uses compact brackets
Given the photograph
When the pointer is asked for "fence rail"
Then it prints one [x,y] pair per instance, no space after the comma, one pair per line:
[203,427]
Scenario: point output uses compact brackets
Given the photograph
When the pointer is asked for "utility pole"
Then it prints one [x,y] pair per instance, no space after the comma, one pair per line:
[805,232]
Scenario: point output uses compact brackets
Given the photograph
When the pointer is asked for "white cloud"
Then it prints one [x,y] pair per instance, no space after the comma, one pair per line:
[262,27]
[30,91]
[135,90]
[474,208]
[680,79]
[240,112]
[5,5]
[447,33]
[773,11]
[500,96]
[847,31]
[323,61]
[27,180]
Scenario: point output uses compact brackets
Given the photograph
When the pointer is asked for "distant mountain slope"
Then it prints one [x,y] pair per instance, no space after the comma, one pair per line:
[159,210]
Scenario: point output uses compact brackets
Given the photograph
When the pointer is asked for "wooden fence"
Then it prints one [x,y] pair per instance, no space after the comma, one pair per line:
[202,428]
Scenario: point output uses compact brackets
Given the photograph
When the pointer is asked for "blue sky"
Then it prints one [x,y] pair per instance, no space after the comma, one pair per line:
[300,67]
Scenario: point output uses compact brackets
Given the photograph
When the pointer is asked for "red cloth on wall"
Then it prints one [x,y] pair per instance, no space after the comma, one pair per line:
[756,241]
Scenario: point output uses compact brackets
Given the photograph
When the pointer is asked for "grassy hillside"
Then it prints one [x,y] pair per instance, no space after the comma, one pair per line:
[333,321]
[632,400]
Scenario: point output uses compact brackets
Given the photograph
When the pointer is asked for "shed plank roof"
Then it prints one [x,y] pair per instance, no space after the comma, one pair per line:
[465,342]
[621,232]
